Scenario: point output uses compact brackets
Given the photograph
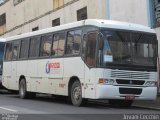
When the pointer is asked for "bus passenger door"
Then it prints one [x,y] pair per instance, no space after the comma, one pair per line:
[90,61]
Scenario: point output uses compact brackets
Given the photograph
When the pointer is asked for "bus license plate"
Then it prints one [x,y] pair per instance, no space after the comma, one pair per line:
[129,97]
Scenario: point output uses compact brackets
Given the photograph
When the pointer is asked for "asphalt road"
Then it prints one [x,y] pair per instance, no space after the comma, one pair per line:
[45,107]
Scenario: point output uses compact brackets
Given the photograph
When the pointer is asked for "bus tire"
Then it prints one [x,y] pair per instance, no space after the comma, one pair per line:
[121,103]
[76,94]
[22,89]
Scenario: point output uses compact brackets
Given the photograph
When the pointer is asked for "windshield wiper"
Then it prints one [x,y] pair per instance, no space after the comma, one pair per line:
[141,35]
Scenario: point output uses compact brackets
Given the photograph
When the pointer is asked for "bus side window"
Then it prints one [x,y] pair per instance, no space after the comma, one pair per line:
[84,45]
[8,51]
[45,48]
[54,51]
[61,44]
[15,50]
[91,48]
[70,43]
[34,47]
[58,45]
[24,49]
[77,41]
[73,42]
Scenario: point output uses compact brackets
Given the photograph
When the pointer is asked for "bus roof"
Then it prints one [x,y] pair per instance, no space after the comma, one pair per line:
[92,22]
[119,25]
[2,40]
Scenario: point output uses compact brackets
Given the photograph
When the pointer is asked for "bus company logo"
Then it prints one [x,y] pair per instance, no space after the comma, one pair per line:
[47,68]
[51,66]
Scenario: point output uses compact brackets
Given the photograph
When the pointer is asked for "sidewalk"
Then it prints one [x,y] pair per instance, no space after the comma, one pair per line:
[148,104]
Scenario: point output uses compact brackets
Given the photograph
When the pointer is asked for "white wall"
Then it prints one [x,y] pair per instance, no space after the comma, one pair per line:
[158,37]
[30,9]
[134,11]
[24,11]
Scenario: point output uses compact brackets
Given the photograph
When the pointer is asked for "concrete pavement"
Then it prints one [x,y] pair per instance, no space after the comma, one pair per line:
[153,105]
[149,104]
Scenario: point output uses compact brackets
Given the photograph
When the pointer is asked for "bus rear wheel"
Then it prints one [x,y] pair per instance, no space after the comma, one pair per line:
[23,90]
[121,103]
[76,94]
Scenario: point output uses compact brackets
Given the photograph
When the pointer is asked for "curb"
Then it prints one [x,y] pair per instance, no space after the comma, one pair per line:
[137,106]
[144,107]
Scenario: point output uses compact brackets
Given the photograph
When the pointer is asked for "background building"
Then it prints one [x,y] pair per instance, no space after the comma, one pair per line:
[20,16]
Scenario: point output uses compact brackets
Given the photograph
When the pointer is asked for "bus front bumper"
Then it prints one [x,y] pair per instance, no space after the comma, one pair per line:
[123,92]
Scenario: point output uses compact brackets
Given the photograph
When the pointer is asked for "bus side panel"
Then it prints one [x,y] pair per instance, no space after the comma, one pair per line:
[14,78]
[56,76]
[32,74]
[7,71]
[50,73]
[90,87]
[73,66]
[44,84]
[22,67]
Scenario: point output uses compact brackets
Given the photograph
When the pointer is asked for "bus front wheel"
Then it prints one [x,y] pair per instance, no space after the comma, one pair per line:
[76,94]
[22,89]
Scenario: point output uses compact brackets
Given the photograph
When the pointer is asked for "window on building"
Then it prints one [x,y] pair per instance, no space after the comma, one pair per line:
[73,42]
[24,49]
[35,28]
[16,2]
[2,1]
[2,19]
[8,54]
[34,47]
[82,14]
[57,3]
[2,23]
[156,12]
[56,22]
[46,43]
[58,44]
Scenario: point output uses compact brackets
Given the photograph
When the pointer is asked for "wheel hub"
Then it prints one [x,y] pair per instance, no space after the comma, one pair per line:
[22,89]
[77,93]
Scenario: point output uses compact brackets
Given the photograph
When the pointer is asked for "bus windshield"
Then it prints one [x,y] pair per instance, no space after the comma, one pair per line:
[128,48]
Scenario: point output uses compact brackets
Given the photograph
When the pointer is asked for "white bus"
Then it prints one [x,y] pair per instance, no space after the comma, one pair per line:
[89,59]
[2,44]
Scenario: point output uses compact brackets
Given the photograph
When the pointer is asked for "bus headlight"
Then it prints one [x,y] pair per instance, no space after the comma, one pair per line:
[151,83]
[106,81]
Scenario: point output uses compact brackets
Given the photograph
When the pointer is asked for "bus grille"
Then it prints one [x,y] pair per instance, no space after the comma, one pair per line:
[135,91]
[131,75]
[130,82]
